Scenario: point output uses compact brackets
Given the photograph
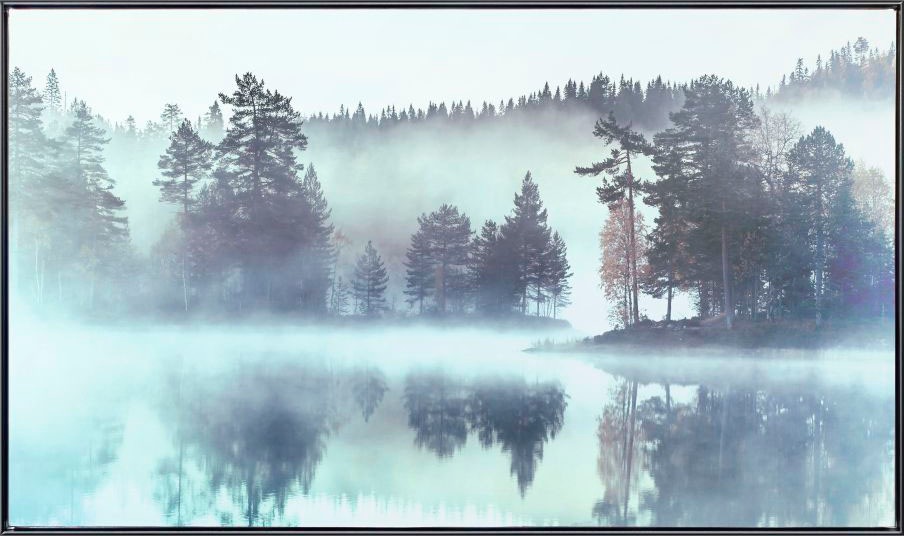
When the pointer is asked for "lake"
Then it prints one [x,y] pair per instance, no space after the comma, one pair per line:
[245,426]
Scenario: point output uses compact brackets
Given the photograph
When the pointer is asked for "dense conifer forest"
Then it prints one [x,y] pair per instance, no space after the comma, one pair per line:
[752,218]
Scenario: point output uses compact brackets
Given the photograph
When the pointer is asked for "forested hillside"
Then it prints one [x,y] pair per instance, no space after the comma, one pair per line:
[457,209]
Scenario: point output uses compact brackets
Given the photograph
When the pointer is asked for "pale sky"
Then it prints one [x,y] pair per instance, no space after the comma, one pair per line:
[133,61]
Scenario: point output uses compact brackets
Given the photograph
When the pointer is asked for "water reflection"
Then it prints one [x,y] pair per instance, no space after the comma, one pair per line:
[258,435]
[504,411]
[740,457]
[518,416]
[320,440]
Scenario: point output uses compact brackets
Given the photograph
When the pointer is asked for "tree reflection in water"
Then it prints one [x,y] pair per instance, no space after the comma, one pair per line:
[256,435]
[740,457]
[518,416]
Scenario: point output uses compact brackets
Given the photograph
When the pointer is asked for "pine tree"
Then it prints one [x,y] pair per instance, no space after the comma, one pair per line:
[257,155]
[213,122]
[419,281]
[558,288]
[449,238]
[525,236]
[30,195]
[186,161]
[171,117]
[493,276]
[620,183]
[667,256]
[822,173]
[319,250]
[369,285]
[53,99]
[713,128]
[102,233]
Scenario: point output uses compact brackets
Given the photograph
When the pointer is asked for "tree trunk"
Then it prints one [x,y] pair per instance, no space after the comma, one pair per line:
[630,449]
[184,283]
[726,277]
[633,254]
[668,309]
[820,256]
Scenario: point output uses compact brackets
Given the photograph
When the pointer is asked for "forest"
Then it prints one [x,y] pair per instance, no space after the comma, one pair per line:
[753,218]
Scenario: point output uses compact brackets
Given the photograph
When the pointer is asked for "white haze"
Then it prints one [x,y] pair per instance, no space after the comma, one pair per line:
[132,62]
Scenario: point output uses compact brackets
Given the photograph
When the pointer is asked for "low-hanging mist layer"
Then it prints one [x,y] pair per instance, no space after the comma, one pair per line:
[380,176]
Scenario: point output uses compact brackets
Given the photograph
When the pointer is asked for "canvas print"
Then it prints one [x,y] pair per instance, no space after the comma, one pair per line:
[413,267]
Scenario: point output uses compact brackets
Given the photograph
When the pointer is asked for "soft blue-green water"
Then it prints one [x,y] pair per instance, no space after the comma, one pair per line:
[417,427]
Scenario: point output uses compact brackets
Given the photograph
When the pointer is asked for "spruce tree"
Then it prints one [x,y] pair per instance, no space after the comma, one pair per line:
[492,271]
[822,174]
[186,161]
[213,122]
[102,232]
[53,99]
[31,196]
[419,267]
[525,237]
[557,287]
[369,285]
[319,252]
[449,240]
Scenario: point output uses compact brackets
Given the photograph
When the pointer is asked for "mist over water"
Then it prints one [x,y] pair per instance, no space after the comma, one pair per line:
[422,427]
[377,189]
[209,396]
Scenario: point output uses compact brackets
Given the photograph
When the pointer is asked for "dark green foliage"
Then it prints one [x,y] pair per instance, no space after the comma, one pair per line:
[369,285]
[187,161]
[438,259]
[526,236]
[419,267]
[491,268]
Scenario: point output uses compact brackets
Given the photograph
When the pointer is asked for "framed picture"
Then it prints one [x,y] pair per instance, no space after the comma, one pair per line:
[452,266]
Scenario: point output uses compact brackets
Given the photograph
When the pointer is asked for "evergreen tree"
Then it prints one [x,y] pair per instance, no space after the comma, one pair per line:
[369,285]
[319,250]
[186,161]
[30,197]
[102,232]
[526,236]
[171,117]
[493,276]
[213,122]
[558,288]
[53,99]
[667,255]
[620,183]
[257,156]
[449,238]
[713,129]
[419,282]
[822,174]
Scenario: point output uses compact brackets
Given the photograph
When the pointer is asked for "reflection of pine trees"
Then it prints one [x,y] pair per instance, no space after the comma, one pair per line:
[436,407]
[258,437]
[741,458]
[369,386]
[520,418]
[511,413]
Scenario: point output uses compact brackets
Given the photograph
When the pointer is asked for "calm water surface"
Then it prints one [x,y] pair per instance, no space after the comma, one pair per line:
[412,427]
